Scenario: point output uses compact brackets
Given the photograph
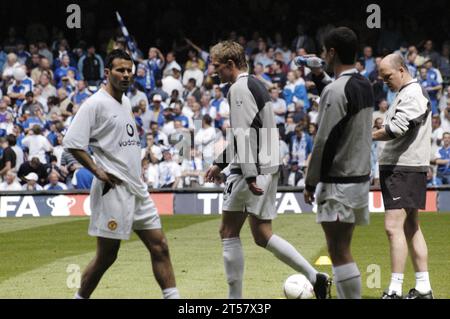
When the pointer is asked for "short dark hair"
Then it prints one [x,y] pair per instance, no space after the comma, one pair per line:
[193,81]
[345,42]
[135,109]
[207,119]
[115,54]
[36,129]
[11,139]
[362,61]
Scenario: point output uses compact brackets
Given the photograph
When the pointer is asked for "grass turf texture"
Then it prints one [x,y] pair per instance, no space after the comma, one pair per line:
[35,254]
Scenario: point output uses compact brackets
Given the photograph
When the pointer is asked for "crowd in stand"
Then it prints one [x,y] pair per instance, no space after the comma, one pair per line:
[180,107]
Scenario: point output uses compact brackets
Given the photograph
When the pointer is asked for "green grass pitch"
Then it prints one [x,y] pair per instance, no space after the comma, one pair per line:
[35,254]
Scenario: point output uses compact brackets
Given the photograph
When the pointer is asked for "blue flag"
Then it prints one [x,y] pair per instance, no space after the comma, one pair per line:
[130,43]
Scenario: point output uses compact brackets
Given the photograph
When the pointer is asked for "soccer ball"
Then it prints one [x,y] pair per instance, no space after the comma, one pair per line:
[298,287]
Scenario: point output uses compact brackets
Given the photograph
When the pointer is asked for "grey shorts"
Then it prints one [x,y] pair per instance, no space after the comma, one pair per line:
[238,198]
[346,203]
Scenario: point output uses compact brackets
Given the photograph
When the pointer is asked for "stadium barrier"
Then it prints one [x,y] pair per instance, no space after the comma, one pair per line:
[197,201]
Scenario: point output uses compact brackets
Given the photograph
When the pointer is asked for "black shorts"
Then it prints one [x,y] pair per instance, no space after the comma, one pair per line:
[403,189]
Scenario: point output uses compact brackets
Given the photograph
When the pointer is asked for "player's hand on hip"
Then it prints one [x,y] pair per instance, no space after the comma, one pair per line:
[107,178]
[309,196]
[212,173]
[254,188]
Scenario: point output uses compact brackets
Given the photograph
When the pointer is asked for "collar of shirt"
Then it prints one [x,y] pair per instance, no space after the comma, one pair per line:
[241,75]
[350,71]
[410,82]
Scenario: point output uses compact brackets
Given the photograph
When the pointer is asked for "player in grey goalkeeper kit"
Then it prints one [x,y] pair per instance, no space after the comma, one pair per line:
[404,164]
[251,188]
[340,162]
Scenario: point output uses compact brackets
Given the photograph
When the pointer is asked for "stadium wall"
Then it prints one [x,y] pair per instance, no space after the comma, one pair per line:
[180,202]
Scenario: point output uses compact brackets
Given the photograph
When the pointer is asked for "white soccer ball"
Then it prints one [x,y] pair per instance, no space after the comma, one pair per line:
[298,287]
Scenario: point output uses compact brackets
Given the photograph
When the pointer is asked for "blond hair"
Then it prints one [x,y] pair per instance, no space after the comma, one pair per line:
[230,50]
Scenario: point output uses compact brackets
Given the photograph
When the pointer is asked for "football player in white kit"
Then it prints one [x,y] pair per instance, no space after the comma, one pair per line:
[120,201]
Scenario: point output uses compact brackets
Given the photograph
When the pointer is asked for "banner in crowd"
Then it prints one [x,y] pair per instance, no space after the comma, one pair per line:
[64,205]
[180,203]
[289,202]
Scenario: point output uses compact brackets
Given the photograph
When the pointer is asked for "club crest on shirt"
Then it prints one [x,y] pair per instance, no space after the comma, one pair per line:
[112,225]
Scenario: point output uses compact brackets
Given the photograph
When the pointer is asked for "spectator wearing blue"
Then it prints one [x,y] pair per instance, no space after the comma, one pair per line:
[369,60]
[17,90]
[137,112]
[91,66]
[219,104]
[140,77]
[82,177]
[300,146]
[81,93]
[3,58]
[261,75]
[431,179]
[411,63]
[54,127]
[153,68]
[432,87]
[278,105]
[156,110]
[263,56]
[433,73]
[22,54]
[60,52]
[158,90]
[38,119]
[54,184]
[179,116]
[361,67]
[27,81]
[295,90]
[63,69]
[443,160]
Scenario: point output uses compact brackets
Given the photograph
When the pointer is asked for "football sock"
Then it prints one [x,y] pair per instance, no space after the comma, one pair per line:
[77,296]
[171,293]
[285,252]
[348,281]
[233,258]
[423,282]
[396,284]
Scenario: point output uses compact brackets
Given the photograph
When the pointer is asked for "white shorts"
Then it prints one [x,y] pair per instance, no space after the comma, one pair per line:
[238,198]
[118,212]
[346,203]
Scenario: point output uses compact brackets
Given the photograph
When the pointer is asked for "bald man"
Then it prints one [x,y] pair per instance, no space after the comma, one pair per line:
[403,169]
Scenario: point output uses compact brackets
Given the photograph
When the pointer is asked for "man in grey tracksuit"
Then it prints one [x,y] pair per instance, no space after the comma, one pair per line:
[253,156]
[339,168]
[404,164]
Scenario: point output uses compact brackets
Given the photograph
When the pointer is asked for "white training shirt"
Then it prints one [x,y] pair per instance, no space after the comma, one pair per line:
[109,128]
